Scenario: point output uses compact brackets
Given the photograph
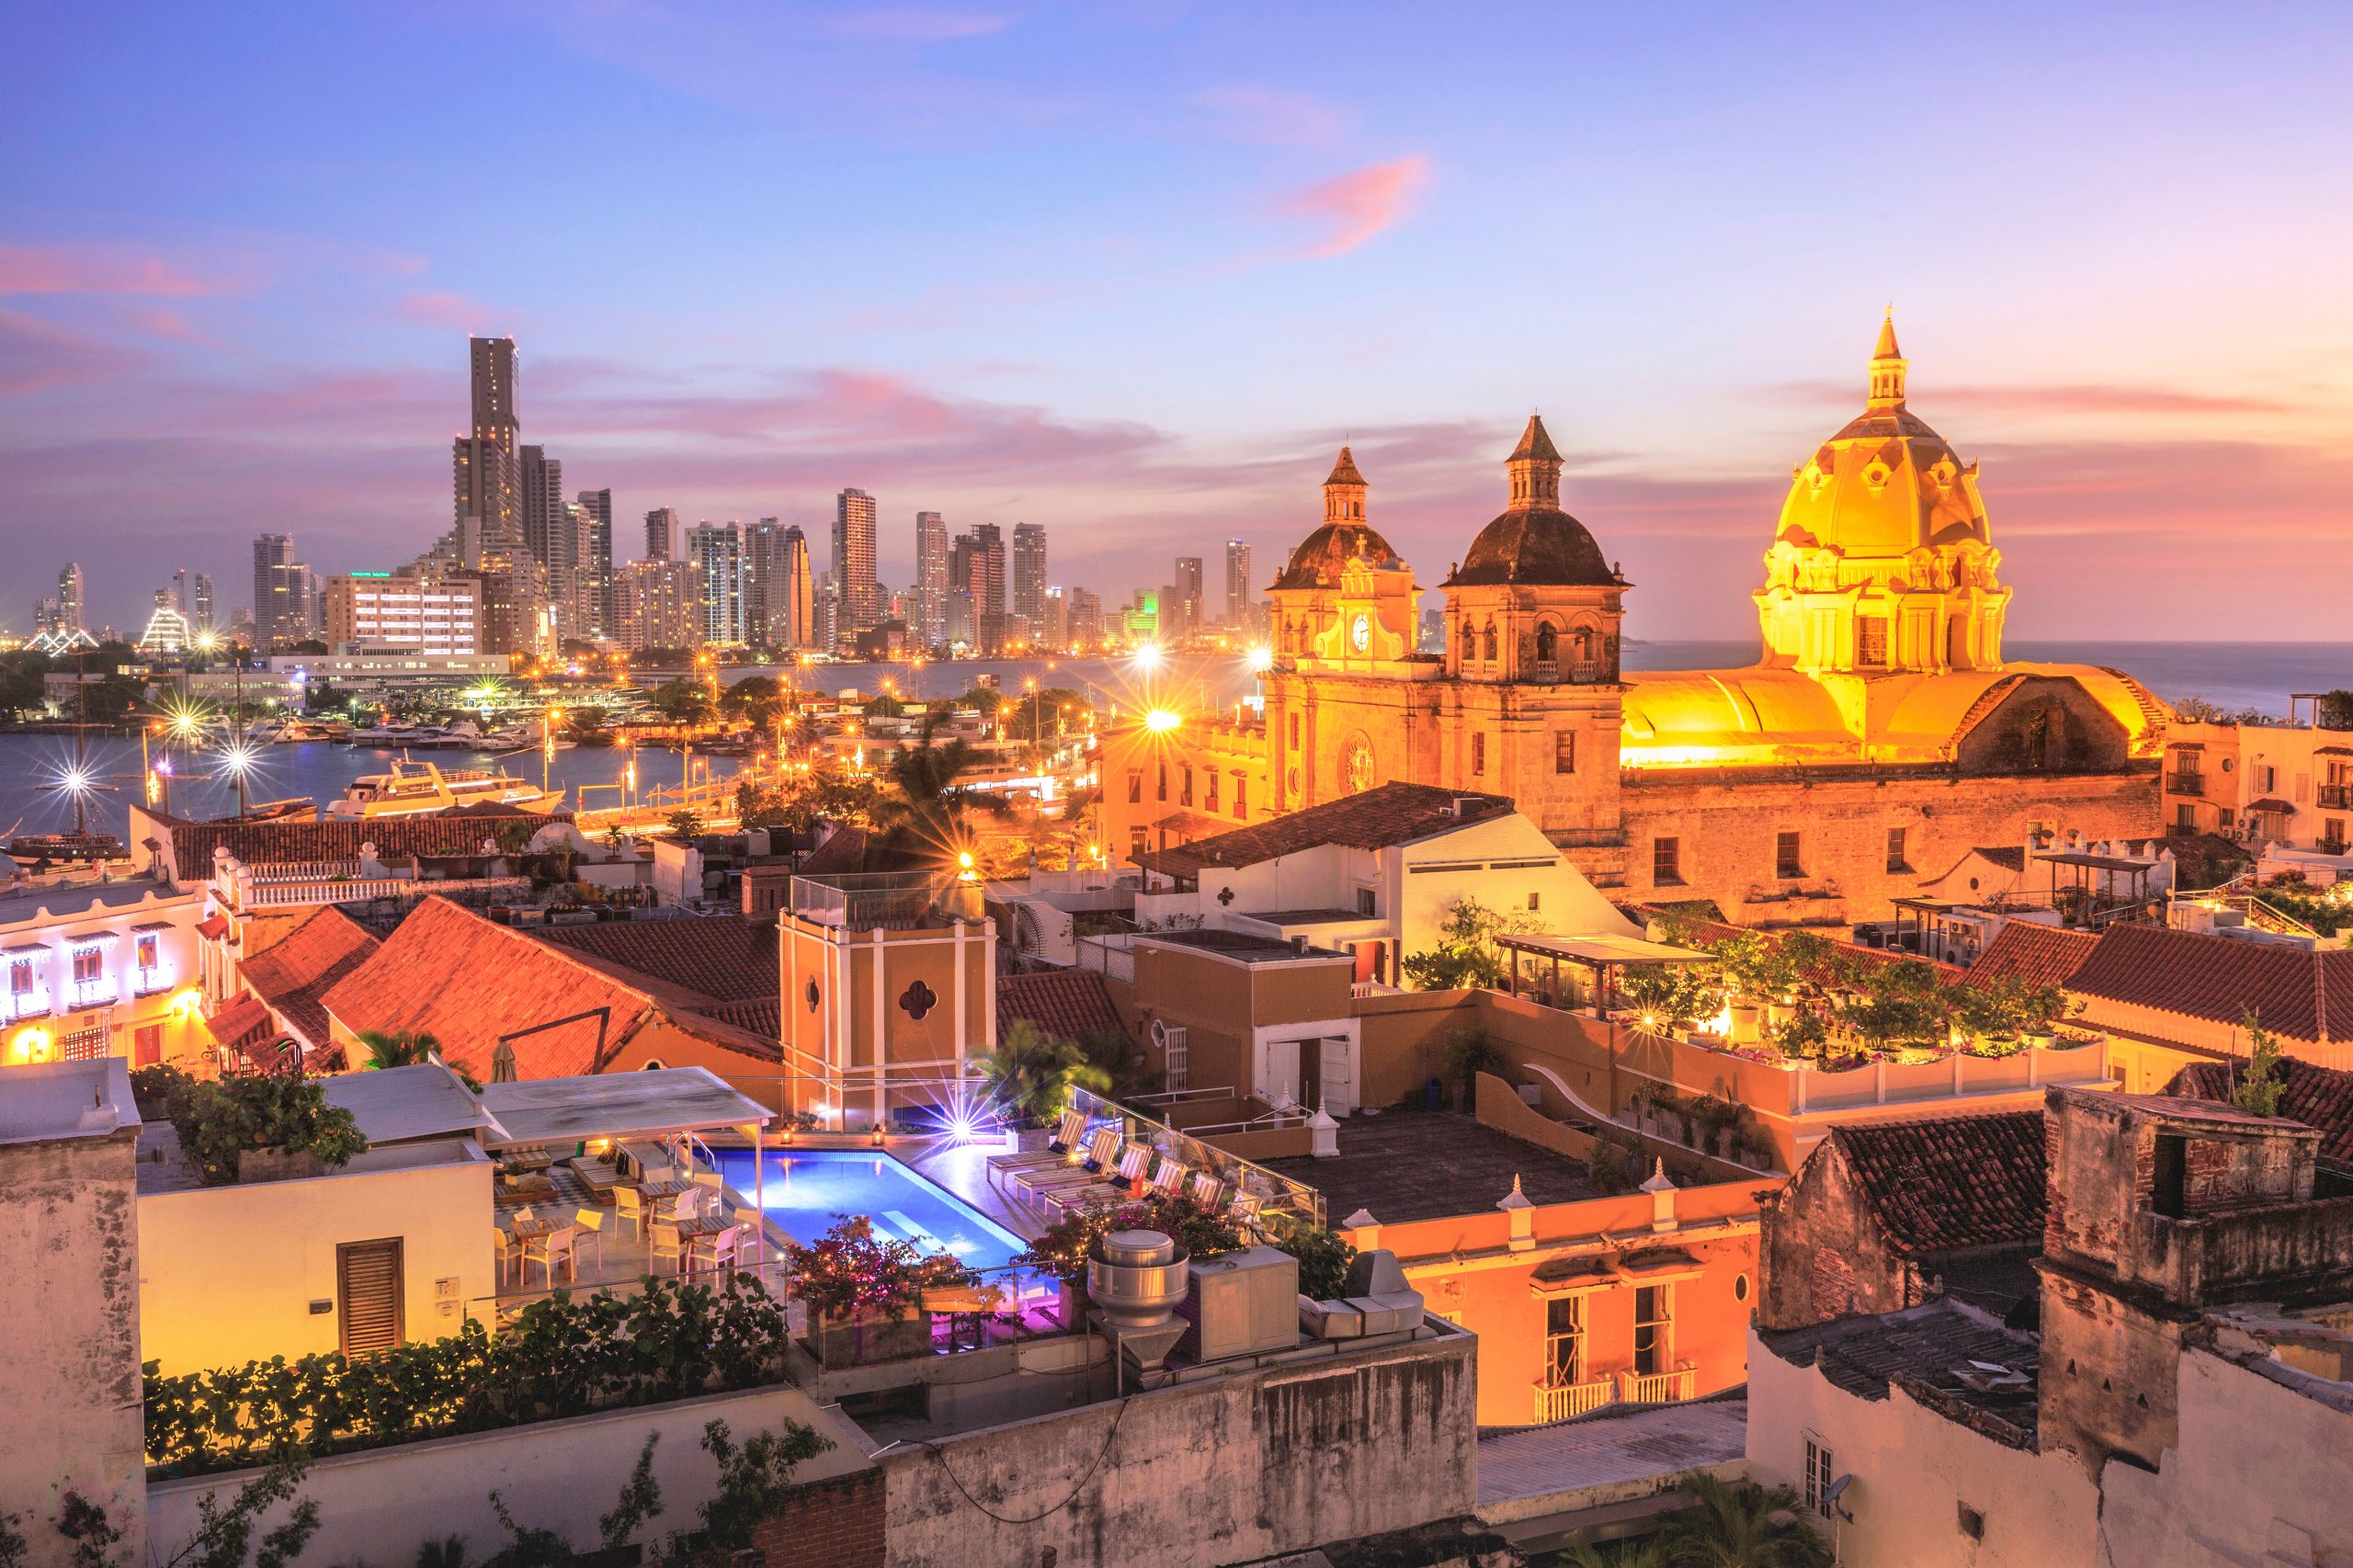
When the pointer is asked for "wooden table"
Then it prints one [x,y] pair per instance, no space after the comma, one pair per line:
[654,1191]
[532,1228]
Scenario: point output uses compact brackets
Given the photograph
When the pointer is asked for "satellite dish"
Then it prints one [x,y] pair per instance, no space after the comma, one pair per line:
[1837,1489]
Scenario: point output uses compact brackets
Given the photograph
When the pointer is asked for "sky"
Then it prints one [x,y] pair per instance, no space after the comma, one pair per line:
[1134,268]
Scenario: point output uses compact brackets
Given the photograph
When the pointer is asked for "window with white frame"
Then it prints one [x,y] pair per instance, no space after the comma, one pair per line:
[1565,1341]
[1817,1475]
[89,963]
[1653,1328]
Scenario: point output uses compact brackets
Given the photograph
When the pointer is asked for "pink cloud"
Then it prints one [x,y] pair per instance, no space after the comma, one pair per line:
[918,26]
[2058,400]
[1360,204]
[37,356]
[454,311]
[157,321]
[98,269]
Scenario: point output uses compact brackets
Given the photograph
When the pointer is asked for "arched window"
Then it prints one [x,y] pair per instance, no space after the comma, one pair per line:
[1488,644]
[1581,645]
[1548,646]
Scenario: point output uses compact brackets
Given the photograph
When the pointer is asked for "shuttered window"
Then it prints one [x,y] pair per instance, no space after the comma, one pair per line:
[367,1281]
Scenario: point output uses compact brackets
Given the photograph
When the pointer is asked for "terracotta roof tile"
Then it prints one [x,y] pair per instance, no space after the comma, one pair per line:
[272,842]
[1951,1182]
[2040,955]
[469,982]
[2320,1097]
[756,1014]
[243,1023]
[1068,1004]
[1378,818]
[304,964]
[725,958]
[841,854]
[2300,995]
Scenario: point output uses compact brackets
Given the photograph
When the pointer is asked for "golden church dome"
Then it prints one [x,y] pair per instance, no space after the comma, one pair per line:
[1886,484]
[1322,556]
[1534,543]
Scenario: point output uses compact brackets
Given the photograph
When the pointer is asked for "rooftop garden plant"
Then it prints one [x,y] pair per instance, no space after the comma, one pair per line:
[1062,1252]
[1671,994]
[220,1121]
[1466,957]
[850,1275]
[564,1355]
[1903,1003]
[1031,1073]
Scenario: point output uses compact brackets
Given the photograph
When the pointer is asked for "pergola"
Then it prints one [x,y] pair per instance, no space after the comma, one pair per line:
[2109,866]
[1604,955]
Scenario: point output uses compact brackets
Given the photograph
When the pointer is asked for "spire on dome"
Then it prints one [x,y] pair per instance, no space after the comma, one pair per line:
[1887,365]
[1344,492]
[1535,469]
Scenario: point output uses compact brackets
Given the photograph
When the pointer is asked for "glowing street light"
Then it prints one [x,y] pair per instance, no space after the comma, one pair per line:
[1160,721]
[1148,656]
[1260,658]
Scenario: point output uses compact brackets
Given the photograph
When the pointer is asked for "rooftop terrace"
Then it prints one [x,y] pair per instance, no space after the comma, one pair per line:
[1409,1166]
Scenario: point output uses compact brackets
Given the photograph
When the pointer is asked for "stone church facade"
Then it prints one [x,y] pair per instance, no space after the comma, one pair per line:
[1880,736]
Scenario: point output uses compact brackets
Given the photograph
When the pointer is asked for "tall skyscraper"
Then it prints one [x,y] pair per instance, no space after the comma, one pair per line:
[797,627]
[853,564]
[72,606]
[1189,611]
[658,604]
[765,582]
[598,560]
[281,586]
[199,607]
[544,534]
[1085,619]
[662,534]
[485,463]
[717,554]
[932,577]
[1030,581]
[1237,585]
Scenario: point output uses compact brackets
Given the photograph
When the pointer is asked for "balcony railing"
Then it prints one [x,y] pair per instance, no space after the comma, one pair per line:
[1658,1388]
[1360,989]
[1558,1402]
[2334,797]
[2186,784]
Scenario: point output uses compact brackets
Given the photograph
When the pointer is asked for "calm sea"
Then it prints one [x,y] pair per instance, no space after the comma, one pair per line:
[2235,674]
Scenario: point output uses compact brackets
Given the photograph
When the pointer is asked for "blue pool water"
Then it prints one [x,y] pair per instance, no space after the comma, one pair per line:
[807,1191]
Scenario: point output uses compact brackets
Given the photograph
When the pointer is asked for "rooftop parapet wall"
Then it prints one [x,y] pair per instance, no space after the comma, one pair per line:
[2296,1250]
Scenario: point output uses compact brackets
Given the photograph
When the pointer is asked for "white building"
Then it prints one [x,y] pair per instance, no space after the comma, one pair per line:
[1376,874]
[96,968]
[426,613]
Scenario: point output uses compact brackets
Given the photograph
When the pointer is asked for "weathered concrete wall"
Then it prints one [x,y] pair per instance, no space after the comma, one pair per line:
[1727,828]
[1914,1469]
[382,1505]
[1229,1469]
[1822,1257]
[69,1379]
[2259,1467]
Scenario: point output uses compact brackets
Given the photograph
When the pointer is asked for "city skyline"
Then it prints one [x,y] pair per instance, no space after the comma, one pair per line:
[1150,365]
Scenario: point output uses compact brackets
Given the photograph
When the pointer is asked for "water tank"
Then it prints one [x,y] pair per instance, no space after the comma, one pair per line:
[1136,1278]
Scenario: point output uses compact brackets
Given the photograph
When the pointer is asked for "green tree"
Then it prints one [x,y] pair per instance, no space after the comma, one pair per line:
[224,1536]
[1741,1525]
[2259,1092]
[1648,1552]
[754,1481]
[685,699]
[1466,957]
[397,1048]
[1904,1003]
[685,822]
[2335,710]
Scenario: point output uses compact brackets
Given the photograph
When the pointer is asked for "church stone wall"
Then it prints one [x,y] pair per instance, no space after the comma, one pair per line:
[1727,829]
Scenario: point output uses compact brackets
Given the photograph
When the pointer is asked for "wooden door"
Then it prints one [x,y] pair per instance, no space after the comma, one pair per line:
[369,1292]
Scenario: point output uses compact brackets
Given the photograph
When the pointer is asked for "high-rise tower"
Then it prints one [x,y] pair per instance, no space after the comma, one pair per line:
[932,577]
[853,564]
[662,534]
[598,560]
[717,554]
[486,472]
[1030,580]
[544,534]
[72,606]
[1239,594]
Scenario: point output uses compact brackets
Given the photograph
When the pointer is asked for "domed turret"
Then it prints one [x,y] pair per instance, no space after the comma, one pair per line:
[1534,543]
[1322,555]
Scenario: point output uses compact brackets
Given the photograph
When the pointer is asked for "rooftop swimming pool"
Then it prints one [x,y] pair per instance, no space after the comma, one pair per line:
[807,1190]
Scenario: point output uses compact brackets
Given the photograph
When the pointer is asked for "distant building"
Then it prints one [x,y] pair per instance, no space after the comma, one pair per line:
[284,592]
[1241,596]
[659,604]
[962,625]
[716,555]
[662,526]
[2285,789]
[1029,587]
[485,466]
[597,558]
[199,605]
[167,629]
[1191,611]
[1085,616]
[72,607]
[544,533]
[779,605]
[426,612]
[854,562]
[932,577]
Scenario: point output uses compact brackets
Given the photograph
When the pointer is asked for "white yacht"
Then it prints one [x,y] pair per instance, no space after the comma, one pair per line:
[412,789]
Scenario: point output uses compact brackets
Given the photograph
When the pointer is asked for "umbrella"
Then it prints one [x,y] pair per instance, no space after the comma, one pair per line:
[502,1064]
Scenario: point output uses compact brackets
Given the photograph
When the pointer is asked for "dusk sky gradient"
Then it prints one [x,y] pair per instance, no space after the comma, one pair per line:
[1133,270]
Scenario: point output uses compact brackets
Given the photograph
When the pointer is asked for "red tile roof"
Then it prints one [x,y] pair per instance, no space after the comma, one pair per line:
[274,842]
[1951,1182]
[1067,1004]
[1379,818]
[304,965]
[2300,994]
[244,1023]
[725,958]
[843,853]
[470,981]
[2040,955]
[760,1015]
[2320,1097]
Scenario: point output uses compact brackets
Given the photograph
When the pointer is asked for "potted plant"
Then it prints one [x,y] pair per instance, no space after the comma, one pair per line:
[1062,1253]
[1802,1036]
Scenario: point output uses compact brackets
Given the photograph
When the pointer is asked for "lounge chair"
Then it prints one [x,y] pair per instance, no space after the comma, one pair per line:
[1066,1197]
[1101,1151]
[1244,1213]
[1207,1191]
[1069,1135]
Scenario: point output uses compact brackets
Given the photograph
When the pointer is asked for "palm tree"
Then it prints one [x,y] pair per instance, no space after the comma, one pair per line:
[1030,1072]
[1648,1552]
[1743,1526]
[397,1048]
